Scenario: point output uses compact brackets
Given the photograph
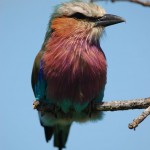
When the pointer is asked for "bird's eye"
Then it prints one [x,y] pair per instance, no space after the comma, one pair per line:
[84,17]
[78,16]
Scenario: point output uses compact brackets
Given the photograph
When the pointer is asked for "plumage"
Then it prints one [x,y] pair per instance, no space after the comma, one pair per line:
[70,70]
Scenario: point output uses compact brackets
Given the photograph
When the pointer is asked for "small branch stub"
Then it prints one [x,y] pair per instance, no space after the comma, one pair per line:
[36,104]
[138,120]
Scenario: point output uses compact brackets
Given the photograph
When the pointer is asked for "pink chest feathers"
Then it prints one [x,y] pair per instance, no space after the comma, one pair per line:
[76,73]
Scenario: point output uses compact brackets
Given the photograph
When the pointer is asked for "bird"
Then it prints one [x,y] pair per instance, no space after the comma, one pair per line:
[70,71]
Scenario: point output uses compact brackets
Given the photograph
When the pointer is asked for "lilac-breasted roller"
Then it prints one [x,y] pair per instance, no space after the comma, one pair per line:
[70,70]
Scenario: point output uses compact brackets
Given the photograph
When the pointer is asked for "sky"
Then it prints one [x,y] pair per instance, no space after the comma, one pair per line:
[23,24]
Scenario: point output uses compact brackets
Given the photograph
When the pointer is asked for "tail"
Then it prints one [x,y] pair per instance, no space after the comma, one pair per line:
[60,132]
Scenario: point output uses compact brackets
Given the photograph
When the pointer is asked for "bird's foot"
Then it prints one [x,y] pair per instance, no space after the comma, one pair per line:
[55,112]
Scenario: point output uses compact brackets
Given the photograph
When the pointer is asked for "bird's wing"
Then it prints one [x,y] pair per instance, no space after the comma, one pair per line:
[37,79]
[39,89]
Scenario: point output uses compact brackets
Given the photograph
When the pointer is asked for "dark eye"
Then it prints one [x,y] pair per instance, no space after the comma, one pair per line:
[84,17]
[78,16]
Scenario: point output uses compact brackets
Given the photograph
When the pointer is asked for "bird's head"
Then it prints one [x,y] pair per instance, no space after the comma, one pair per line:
[81,20]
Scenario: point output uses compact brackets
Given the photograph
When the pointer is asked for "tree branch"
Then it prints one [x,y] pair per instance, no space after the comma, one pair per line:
[138,120]
[103,106]
[140,2]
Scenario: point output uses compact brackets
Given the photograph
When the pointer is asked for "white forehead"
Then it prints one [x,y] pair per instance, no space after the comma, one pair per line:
[88,9]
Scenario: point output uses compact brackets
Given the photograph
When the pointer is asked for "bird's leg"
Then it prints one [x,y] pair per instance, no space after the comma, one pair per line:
[55,111]
[90,108]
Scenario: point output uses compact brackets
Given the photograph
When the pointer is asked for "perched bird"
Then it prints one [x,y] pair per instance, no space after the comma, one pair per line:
[70,70]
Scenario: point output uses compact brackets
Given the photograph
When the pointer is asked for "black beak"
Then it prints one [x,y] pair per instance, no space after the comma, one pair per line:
[108,20]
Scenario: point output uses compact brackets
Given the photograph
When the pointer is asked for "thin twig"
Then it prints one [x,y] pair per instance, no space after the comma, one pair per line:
[138,120]
[140,2]
[143,3]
